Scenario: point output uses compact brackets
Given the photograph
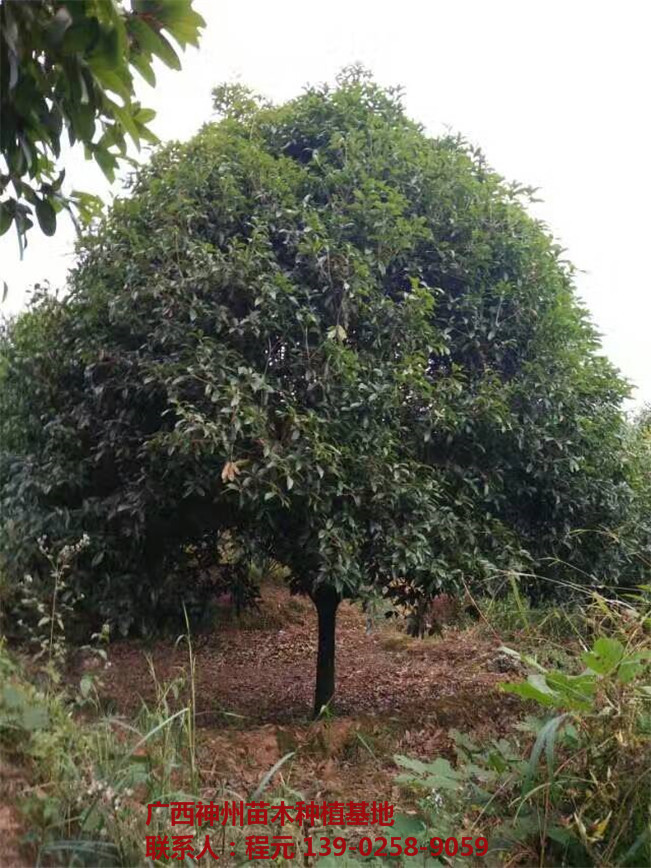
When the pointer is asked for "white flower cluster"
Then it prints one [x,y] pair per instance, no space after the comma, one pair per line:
[69,551]
[106,793]
[437,799]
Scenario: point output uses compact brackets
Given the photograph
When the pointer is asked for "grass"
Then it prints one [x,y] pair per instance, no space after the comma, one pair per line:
[90,774]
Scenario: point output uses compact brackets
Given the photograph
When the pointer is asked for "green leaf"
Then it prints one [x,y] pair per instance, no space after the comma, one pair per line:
[546,741]
[438,773]
[561,835]
[182,22]
[47,217]
[575,691]
[86,685]
[166,53]
[633,666]
[268,777]
[605,656]
[110,78]
[337,333]
[636,846]
[6,217]
[535,688]
[124,117]
[107,162]
[144,115]
[153,43]
[407,826]
[144,67]
[11,697]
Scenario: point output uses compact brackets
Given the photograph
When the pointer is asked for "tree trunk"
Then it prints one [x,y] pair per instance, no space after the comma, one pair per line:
[326,600]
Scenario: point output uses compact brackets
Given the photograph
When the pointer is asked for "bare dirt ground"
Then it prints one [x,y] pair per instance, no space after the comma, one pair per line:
[254,685]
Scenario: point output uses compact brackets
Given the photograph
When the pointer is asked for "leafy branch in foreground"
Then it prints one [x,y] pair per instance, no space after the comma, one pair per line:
[70,64]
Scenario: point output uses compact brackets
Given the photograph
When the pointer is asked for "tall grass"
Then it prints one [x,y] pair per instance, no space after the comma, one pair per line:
[90,774]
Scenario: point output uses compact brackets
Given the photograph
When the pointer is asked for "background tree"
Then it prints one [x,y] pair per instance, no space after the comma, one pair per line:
[318,331]
[68,64]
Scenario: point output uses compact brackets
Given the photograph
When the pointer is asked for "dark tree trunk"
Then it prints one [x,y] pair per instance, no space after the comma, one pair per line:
[326,600]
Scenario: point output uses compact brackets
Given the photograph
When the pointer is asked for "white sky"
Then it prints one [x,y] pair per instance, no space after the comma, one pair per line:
[555,93]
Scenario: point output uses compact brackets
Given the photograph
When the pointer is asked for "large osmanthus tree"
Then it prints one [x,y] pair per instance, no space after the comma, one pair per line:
[316,329]
[66,66]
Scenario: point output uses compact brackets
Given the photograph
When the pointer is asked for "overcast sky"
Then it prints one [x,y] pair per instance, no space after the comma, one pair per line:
[555,93]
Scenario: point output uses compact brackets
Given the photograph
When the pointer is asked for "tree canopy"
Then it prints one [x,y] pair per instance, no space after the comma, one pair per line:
[317,329]
[69,64]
